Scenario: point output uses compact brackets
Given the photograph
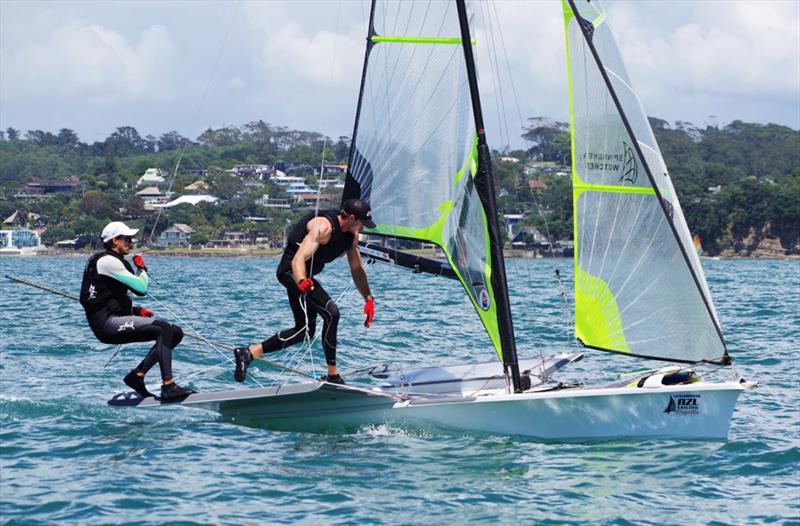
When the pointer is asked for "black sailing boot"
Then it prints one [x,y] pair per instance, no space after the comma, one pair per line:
[136,382]
[173,392]
[333,379]
[243,357]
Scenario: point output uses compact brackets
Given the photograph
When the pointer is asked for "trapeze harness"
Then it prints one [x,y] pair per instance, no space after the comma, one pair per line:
[317,301]
[112,317]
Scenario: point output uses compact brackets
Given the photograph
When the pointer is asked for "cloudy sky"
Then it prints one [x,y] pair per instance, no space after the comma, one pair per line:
[187,65]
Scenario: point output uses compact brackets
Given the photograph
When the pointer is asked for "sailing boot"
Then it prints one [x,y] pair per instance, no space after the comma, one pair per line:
[173,392]
[243,357]
[136,382]
[333,379]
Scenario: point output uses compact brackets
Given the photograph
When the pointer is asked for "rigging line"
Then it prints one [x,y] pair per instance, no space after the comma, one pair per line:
[187,334]
[325,137]
[494,65]
[508,65]
[197,114]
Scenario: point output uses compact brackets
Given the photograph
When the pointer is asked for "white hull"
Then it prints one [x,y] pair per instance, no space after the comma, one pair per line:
[696,411]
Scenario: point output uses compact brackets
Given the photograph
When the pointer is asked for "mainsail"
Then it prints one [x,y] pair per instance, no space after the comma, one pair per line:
[415,150]
[639,285]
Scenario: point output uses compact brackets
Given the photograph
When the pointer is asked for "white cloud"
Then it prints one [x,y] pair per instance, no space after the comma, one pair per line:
[89,61]
[236,83]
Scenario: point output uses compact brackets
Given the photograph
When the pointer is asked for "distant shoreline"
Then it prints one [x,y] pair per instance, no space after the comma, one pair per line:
[275,252]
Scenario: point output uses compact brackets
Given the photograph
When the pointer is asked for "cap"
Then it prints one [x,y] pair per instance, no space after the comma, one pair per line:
[360,209]
[117,228]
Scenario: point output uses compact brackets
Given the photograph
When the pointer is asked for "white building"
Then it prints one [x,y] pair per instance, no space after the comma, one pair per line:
[19,241]
[151,177]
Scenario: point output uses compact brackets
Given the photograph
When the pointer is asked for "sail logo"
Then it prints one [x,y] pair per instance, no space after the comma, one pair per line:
[483,299]
[683,404]
[92,292]
[630,167]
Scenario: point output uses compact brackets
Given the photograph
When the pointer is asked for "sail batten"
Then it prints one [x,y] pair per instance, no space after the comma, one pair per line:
[617,166]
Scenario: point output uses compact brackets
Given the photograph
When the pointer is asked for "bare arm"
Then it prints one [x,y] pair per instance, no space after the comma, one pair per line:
[357,270]
[319,233]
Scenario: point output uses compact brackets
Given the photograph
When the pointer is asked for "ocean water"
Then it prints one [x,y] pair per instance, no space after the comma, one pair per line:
[68,458]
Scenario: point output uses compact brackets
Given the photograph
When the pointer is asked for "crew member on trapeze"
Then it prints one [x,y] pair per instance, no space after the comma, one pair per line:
[114,319]
[317,239]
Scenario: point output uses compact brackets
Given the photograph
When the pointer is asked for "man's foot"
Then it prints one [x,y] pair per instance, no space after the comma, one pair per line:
[243,357]
[173,392]
[136,382]
[333,379]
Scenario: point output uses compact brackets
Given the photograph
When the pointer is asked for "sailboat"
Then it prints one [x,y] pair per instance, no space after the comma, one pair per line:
[419,154]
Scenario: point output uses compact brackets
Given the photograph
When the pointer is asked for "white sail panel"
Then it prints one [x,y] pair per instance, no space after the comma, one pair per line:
[639,285]
[414,154]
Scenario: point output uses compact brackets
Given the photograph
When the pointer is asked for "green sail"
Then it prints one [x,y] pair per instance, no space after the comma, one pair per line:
[639,285]
[414,153]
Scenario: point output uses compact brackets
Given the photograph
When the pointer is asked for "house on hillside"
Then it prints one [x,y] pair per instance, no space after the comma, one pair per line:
[269,202]
[537,184]
[152,177]
[152,195]
[176,235]
[38,189]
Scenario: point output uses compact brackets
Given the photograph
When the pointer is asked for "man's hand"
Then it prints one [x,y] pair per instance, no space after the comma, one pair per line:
[305,285]
[369,310]
[138,260]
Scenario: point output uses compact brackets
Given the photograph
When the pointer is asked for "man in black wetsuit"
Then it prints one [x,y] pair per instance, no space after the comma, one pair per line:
[112,317]
[314,241]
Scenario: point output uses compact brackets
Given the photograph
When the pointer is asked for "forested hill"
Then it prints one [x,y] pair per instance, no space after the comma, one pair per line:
[738,184]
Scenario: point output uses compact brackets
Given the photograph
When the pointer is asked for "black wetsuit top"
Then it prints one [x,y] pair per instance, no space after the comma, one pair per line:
[337,245]
[103,296]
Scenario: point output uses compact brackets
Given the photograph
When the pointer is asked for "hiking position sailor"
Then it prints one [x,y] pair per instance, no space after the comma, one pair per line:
[317,239]
[114,319]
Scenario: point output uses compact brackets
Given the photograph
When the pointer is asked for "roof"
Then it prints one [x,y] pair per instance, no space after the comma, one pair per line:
[150,191]
[180,227]
[537,184]
[10,220]
[189,199]
[197,185]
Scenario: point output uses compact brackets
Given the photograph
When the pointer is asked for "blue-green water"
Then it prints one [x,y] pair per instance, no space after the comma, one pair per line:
[68,458]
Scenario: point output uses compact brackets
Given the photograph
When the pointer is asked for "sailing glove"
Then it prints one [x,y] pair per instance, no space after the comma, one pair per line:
[369,310]
[138,260]
[141,311]
[305,285]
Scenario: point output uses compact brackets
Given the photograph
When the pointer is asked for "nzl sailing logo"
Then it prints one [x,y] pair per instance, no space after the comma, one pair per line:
[630,168]
[125,326]
[92,292]
[684,404]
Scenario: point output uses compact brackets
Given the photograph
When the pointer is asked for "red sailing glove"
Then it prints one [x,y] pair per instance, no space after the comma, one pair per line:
[138,260]
[145,312]
[369,310]
[306,285]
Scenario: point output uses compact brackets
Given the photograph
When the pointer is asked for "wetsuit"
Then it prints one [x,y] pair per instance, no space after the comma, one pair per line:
[317,301]
[112,317]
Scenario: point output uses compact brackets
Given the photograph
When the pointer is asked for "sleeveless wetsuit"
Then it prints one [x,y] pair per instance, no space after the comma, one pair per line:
[112,317]
[317,301]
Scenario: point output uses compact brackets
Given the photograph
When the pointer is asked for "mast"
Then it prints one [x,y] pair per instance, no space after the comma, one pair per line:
[484,183]
[370,33]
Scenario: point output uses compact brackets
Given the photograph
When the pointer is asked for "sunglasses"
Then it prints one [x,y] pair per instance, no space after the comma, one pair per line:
[128,239]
